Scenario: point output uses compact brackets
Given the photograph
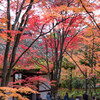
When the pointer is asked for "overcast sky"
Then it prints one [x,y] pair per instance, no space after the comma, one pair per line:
[38,10]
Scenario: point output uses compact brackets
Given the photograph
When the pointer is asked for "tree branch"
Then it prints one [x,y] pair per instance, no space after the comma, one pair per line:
[90,15]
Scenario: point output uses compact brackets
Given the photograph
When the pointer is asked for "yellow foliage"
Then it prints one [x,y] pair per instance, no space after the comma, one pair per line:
[26,90]
[7,92]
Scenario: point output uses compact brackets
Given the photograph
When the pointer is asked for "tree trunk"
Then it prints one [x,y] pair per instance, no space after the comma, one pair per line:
[17,38]
[70,82]
[85,85]
[54,90]
[4,70]
[94,85]
[90,92]
[5,63]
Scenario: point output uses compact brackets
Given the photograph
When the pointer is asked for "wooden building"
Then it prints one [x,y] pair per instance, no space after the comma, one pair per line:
[42,88]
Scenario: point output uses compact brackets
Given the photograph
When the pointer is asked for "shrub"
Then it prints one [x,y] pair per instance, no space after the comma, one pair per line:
[77,83]
[65,84]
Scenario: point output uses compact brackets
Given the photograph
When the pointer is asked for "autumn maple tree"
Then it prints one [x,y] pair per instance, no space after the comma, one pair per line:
[18,22]
[86,57]
[91,53]
[56,43]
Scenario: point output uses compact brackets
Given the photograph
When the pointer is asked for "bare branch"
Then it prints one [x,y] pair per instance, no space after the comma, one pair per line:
[90,15]
[75,62]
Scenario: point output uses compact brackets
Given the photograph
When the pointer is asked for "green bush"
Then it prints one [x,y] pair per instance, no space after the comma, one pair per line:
[77,83]
[64,84]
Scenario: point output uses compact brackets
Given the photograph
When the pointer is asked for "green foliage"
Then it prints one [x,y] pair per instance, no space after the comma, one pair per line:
[37,67]
[66,64]
[77,83]
[54,35]
[75,92]
[65,84]
[84,62]
[98,49]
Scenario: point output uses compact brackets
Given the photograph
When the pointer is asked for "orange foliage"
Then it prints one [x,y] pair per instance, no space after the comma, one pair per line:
[7,92]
